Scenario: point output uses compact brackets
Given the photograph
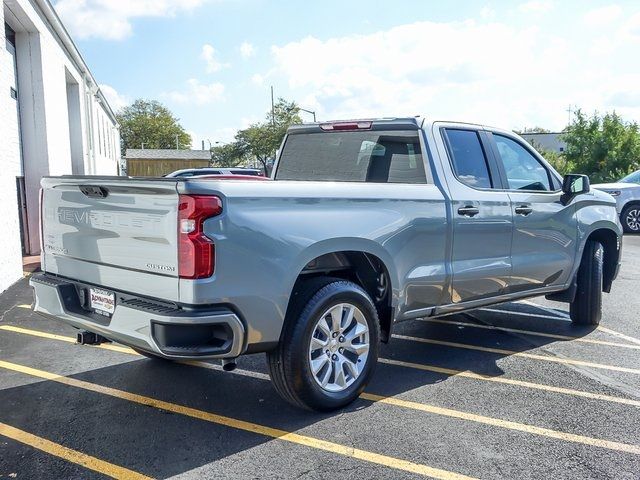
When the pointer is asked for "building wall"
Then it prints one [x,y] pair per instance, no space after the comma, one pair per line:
[65,124]
[548,142]
[11,256]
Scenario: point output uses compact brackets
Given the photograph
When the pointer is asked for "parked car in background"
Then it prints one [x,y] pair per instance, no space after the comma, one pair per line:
[627,194]
[230,177]
[363,224]
[195,172]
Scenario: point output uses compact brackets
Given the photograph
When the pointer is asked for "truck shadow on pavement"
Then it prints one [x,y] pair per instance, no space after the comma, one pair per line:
[161,444]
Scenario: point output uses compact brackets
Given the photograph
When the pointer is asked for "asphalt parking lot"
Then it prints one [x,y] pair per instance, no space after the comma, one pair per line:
[512,391]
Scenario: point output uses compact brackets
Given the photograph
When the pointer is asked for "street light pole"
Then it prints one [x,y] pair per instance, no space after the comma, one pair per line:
[309,111]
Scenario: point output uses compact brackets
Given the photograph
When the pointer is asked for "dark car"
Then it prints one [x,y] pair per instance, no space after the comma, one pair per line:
[194,172]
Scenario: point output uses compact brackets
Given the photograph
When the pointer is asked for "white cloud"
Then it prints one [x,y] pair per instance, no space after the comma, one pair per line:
[111,19]
[209,55]
[247,50]
[487,12]
[602,16]
[257,79]
[529,80]
[115,100]
[536,6]
[197,93]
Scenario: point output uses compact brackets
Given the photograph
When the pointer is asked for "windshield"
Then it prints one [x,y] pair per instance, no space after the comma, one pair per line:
[632,178]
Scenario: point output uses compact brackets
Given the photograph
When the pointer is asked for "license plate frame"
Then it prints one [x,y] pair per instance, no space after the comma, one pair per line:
[102,301]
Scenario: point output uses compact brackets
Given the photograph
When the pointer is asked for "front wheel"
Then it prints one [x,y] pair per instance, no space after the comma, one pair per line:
[329,346]
[586,308]
[630,219]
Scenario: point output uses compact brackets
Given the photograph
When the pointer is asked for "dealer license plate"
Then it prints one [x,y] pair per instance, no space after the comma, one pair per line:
[102,301]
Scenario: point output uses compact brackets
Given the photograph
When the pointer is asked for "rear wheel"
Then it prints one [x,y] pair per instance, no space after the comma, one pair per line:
[586,308]
[329,346]
[630,219]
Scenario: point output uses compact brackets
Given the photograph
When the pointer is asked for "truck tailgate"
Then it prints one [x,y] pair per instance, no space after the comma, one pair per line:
[115,232]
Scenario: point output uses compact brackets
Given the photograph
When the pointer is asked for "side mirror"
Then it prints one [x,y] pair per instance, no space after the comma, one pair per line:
[574,184]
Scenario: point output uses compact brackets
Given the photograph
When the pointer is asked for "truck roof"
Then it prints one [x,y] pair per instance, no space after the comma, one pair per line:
[391,123]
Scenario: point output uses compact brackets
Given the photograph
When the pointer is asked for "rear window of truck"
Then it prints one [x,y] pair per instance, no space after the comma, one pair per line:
[362,156]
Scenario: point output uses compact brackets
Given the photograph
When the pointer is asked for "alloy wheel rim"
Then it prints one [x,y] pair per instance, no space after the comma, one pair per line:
[633,219]
[339,347]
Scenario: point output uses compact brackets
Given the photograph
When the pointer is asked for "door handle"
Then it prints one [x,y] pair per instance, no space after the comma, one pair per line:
[523,210]
[468,211]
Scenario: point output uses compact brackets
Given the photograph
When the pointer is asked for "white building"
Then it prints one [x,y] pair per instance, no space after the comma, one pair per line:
[546,142]
[54,120]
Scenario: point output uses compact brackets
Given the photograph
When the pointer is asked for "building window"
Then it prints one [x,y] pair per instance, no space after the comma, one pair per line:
[10,35]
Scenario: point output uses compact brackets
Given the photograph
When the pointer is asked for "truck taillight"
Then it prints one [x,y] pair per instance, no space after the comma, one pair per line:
[196,252]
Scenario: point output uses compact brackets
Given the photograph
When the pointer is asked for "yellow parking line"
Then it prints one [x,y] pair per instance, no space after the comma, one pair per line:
[70,455]
[496,422]
[25,306]
[530,332]
[508,381]
[418,366]
[533,356]
[291,437]
[62,338]
[618,334]
[322,444]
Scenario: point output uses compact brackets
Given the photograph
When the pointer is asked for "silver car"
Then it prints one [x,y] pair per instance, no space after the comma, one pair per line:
[627,194]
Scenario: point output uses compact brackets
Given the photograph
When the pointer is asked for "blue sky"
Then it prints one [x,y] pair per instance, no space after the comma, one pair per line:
[509,64]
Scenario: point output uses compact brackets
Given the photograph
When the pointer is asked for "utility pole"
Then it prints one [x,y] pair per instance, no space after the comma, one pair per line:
[177,142]
[273,110]
[569,112]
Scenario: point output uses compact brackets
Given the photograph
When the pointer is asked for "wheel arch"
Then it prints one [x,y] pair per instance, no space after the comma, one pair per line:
[612,246]
[368,266]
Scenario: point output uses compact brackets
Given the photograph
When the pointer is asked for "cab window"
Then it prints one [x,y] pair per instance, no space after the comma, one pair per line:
[522,169]
[468,157]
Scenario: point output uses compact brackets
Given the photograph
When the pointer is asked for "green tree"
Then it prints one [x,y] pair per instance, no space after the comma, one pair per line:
[605,147]
[150,123]
[534,130]
[261,140]
[228,155]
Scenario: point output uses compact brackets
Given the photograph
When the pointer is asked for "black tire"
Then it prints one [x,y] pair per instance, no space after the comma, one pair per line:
[289,365]
[586,308]
[630,218]
[150,355]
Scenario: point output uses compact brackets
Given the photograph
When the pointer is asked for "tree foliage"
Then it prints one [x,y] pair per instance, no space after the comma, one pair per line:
[150,123]
[605,147]
[261,140]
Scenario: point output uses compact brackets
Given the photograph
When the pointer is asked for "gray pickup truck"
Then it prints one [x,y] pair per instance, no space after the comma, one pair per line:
[364,224]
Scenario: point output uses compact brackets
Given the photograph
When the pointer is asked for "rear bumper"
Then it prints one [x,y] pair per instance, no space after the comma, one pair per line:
[163,329]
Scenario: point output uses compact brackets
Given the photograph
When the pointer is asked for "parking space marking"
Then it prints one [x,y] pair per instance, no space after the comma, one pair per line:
[525,314]
[552,311]
[322,444]
[563,317]
[25,306]
[496,422]
[529,332]
[508,381]
[376,458]
[618,334]
[70,455]
[418,366]
[62,338]
[532,356]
